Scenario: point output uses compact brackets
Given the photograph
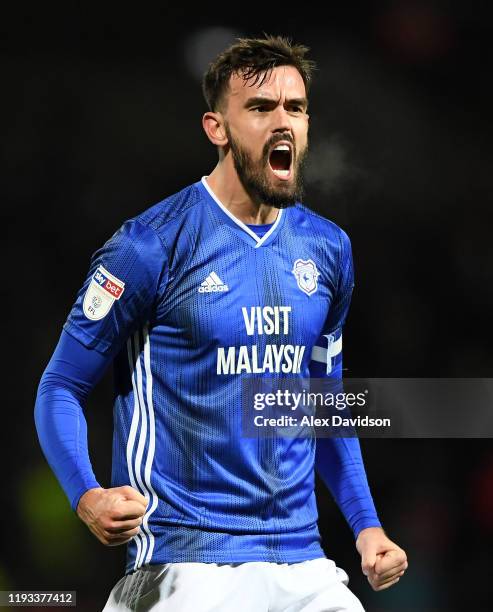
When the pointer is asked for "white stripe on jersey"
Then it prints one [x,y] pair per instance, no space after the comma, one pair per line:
[139,538]
[142,411]
[143,433]
[152,441]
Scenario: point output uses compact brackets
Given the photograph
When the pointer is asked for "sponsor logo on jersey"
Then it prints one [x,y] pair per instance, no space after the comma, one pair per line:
[306,274]
[212,284]
[101,294]
[109,283]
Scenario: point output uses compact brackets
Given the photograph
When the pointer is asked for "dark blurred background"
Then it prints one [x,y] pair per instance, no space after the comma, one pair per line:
[101,118]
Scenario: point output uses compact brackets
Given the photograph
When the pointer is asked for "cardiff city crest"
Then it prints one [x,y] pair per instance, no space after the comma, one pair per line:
[306,275]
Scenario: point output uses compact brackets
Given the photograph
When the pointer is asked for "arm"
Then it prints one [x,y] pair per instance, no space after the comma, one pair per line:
[71,374]
[113,515]
[338,461]
[118,296]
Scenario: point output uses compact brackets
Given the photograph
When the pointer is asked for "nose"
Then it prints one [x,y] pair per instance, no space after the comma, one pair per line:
[281,121]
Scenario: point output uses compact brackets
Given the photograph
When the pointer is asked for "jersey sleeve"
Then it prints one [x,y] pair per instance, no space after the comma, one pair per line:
[326,358]
[125,279]
[338,461]
[71,374]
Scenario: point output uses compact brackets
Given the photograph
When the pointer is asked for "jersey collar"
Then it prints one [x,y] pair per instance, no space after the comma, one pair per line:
[238,226]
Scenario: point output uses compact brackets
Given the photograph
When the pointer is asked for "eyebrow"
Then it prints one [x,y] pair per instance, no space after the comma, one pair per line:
[259,100]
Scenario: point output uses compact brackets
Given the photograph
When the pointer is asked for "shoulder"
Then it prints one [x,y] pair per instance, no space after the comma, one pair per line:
[320,228]
[171,210]
[154,227]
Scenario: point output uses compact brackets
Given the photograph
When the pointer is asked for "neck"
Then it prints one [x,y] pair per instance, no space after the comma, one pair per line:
[227,187]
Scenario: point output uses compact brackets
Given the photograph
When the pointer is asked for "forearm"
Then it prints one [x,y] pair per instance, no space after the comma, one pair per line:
[62,433]
[339,463]
[71,374]
[338,460]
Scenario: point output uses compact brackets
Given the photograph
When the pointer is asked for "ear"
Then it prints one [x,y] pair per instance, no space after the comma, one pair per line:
[213,125]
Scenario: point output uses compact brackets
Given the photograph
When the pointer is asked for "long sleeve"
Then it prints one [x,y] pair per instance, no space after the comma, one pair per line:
[338,461]
[118,295]
[71,374]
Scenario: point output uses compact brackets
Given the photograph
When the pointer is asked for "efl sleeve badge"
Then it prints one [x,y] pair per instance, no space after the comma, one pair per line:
[101,294]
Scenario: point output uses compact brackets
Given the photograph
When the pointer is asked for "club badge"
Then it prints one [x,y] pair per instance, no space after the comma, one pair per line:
[306,274]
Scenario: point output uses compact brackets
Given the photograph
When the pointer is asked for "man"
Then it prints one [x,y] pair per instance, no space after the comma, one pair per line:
[232,276]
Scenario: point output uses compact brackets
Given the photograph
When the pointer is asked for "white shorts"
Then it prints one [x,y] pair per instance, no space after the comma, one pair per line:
[309,586]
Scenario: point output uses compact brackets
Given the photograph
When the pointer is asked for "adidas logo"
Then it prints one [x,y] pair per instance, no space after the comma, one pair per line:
[213,283]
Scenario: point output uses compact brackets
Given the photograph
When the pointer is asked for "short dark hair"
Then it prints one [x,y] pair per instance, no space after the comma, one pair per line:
[250,58]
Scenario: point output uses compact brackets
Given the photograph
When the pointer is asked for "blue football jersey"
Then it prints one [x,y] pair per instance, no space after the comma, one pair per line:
[190,300]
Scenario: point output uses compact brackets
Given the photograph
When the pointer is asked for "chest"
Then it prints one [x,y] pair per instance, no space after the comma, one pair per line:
[227,293]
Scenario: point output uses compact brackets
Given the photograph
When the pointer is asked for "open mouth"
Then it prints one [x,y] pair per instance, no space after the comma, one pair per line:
[280,161]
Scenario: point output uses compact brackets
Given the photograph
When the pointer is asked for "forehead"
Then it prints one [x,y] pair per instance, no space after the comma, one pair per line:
[281,81]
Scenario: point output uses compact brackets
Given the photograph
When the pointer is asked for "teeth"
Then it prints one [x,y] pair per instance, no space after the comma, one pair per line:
[282,172]
[282,148]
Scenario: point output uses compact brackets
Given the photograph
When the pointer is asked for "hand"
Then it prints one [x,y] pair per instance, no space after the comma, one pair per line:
[113,515]
[382,561]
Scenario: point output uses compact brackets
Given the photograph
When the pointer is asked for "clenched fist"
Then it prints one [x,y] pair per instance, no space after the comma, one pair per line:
[113,515]
[382,561]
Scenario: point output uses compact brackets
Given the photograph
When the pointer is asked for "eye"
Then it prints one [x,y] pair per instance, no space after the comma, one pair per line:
[260,109]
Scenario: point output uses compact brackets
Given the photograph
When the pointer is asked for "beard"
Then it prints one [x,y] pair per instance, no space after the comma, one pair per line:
[254,175]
